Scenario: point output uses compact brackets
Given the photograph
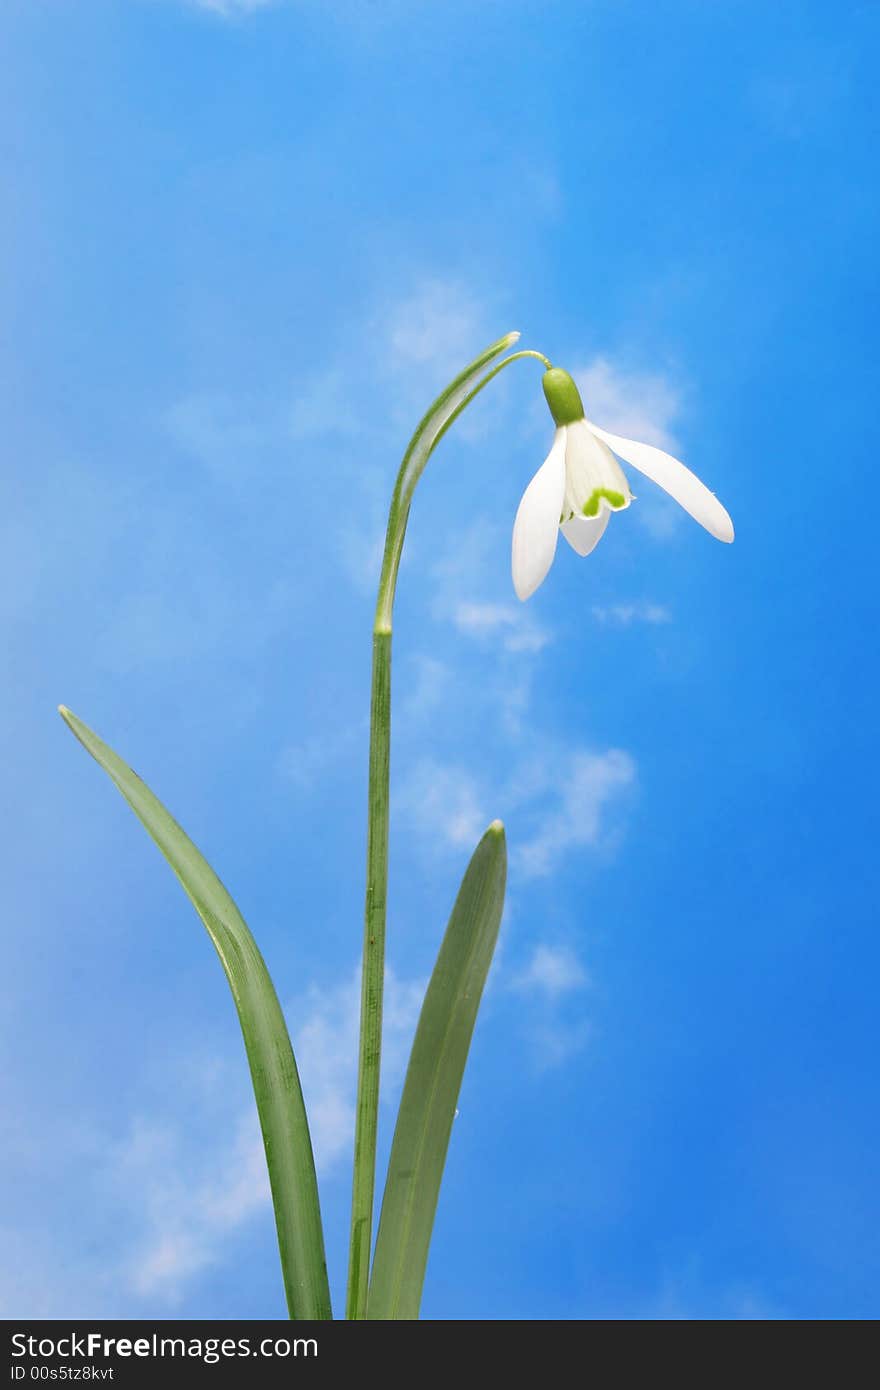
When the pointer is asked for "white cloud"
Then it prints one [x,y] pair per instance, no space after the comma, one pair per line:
[193,1191]
[552,972]
[429,335]
[360,551]
[482,619]
[467,559]
[468,567]
[184,1181]
[222,431]
[419,340]
[40,1279]
[686,1297]
[444,803]
[302,763]
[625,614]
[322,406]
[554,1042]
[307,762]
[657,513]
[582,787]
[641,405]
[440,326]
[559,796]
[511,698]
[428,686]
[229,9]
[518,632]
[196,1189]
[552,975]
[527,637]
[174,620]
[326,1052]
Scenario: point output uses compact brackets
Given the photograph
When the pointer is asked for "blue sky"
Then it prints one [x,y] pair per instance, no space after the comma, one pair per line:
[244,245]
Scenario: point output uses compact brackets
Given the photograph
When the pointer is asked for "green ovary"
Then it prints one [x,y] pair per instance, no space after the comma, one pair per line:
[614,499]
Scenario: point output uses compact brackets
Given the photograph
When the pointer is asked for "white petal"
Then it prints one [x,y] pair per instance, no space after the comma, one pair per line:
[584,533]
[590,466]
[675,479]
[536,529]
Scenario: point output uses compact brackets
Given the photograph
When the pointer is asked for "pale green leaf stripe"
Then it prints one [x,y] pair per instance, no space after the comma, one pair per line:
[433,1081]
[273,1069]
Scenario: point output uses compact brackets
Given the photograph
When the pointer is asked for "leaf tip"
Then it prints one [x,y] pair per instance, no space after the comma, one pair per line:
[64,712]
[496,829]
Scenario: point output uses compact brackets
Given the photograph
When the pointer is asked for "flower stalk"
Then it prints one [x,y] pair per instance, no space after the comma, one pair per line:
[442,414]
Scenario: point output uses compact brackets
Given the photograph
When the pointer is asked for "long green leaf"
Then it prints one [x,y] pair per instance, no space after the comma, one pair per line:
[433,1081]
[273,1069]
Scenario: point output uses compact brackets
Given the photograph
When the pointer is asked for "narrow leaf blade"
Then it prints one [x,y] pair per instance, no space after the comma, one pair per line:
[434,423]
[433,1081]
[267,1043]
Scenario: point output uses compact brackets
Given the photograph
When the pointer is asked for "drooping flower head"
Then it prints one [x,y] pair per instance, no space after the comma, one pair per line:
[581,484]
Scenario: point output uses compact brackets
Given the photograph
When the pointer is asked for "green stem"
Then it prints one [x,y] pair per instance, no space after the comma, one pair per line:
[443,413]
[372,979]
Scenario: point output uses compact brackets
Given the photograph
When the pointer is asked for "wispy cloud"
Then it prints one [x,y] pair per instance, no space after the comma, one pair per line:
[166,623]
[517,631]
[39,1280]
[360,548]
[322,407]
[443,803]
[326,1050]
[554,1041]
[461,577]
[465,563]
[435,325]
[231,9]
[552,1019]
[551,972]
[342,421]
[192,1195]
[196,1190]
[643,406]
[429,684]
[625,614]
[221,430]
[686,1297]
[306,762]
[418,341]
[560,796]
[302,763]
[429,334]
[574,793]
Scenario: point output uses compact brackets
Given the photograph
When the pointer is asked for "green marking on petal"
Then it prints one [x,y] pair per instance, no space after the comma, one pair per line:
[614,499]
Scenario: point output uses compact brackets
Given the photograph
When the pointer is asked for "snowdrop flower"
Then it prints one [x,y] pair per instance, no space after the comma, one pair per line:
[580,484]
